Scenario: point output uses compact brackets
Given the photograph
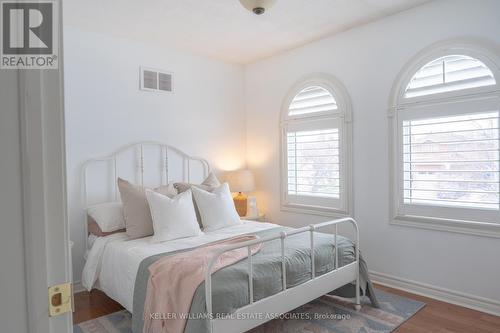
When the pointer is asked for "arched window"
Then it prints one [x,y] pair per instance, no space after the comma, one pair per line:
[445,147]
[315,134]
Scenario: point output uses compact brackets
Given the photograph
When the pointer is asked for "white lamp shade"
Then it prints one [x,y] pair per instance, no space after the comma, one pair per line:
[240,180]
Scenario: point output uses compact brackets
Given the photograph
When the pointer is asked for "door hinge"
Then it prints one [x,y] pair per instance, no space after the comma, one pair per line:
[60,299]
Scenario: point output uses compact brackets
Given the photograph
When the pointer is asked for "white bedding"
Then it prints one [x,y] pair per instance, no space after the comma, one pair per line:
[113,261]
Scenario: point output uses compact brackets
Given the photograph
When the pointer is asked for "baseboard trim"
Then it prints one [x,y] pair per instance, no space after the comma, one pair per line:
[78,287]
[482,304]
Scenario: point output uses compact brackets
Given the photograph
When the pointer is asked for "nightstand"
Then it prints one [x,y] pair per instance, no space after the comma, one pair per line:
[260,218]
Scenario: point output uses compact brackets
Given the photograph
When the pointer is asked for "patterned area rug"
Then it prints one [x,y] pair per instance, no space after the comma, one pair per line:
[327,314]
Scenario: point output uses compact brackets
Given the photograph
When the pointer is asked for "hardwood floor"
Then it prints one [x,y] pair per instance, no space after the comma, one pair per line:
[92,305]
[441,317]
[435,317]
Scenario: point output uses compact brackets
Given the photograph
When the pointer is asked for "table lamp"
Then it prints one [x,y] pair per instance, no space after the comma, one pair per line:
[240,181]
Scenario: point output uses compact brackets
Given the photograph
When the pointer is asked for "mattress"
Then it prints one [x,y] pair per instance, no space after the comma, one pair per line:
[113,261]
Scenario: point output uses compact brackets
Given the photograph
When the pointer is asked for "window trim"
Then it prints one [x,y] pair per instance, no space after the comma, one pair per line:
[344,115]
[399,105]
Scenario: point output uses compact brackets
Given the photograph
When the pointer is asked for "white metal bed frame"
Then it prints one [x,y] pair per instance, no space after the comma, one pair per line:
[140,167]
[249,316]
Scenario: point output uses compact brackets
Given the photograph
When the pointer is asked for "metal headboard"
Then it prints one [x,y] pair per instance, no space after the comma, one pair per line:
[139,150]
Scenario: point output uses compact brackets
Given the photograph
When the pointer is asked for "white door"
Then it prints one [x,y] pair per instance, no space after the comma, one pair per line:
[12,279]
[34,240]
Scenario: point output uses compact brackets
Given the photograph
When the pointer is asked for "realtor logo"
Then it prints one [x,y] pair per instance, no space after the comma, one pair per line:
[28,34]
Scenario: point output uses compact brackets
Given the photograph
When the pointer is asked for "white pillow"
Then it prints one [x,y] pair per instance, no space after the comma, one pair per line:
[172,218]
[216,208]
[109,216]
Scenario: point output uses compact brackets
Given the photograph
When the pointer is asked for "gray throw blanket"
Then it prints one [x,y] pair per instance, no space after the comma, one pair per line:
[230,284]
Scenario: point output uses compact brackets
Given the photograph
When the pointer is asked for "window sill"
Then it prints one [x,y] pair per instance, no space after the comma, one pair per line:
[457,226]
[313,210]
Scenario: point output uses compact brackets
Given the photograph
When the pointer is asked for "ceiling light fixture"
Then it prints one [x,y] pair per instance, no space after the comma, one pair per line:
[258,7]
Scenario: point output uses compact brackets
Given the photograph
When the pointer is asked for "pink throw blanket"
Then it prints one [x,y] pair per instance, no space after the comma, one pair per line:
[175,278]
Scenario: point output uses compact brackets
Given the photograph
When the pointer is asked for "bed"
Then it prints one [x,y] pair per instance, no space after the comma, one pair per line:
[294,266]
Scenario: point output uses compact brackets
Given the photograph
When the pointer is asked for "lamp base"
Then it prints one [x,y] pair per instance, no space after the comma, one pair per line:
[240,202]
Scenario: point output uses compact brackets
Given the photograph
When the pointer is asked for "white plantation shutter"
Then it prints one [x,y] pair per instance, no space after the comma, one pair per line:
[313,151]
[449,73]
[452,161]
[312,100]
[314,163]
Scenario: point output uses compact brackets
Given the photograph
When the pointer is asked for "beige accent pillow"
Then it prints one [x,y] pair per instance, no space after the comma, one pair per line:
[209,184]
[138,221]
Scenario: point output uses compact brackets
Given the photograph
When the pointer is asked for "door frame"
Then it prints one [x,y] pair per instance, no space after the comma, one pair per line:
[45,221]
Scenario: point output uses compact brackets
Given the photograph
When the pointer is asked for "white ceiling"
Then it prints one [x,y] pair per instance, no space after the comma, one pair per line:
[223,29]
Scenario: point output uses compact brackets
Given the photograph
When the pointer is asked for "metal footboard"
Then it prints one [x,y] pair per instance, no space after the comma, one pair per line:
[353,267]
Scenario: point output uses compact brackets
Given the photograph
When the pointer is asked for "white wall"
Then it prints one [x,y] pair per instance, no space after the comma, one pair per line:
[367,60]
[106,110]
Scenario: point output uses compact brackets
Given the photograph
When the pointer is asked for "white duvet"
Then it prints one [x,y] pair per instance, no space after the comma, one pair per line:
[113,261]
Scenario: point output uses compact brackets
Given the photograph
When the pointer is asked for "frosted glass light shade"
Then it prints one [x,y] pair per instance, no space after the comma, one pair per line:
[240,180]
[254,5]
